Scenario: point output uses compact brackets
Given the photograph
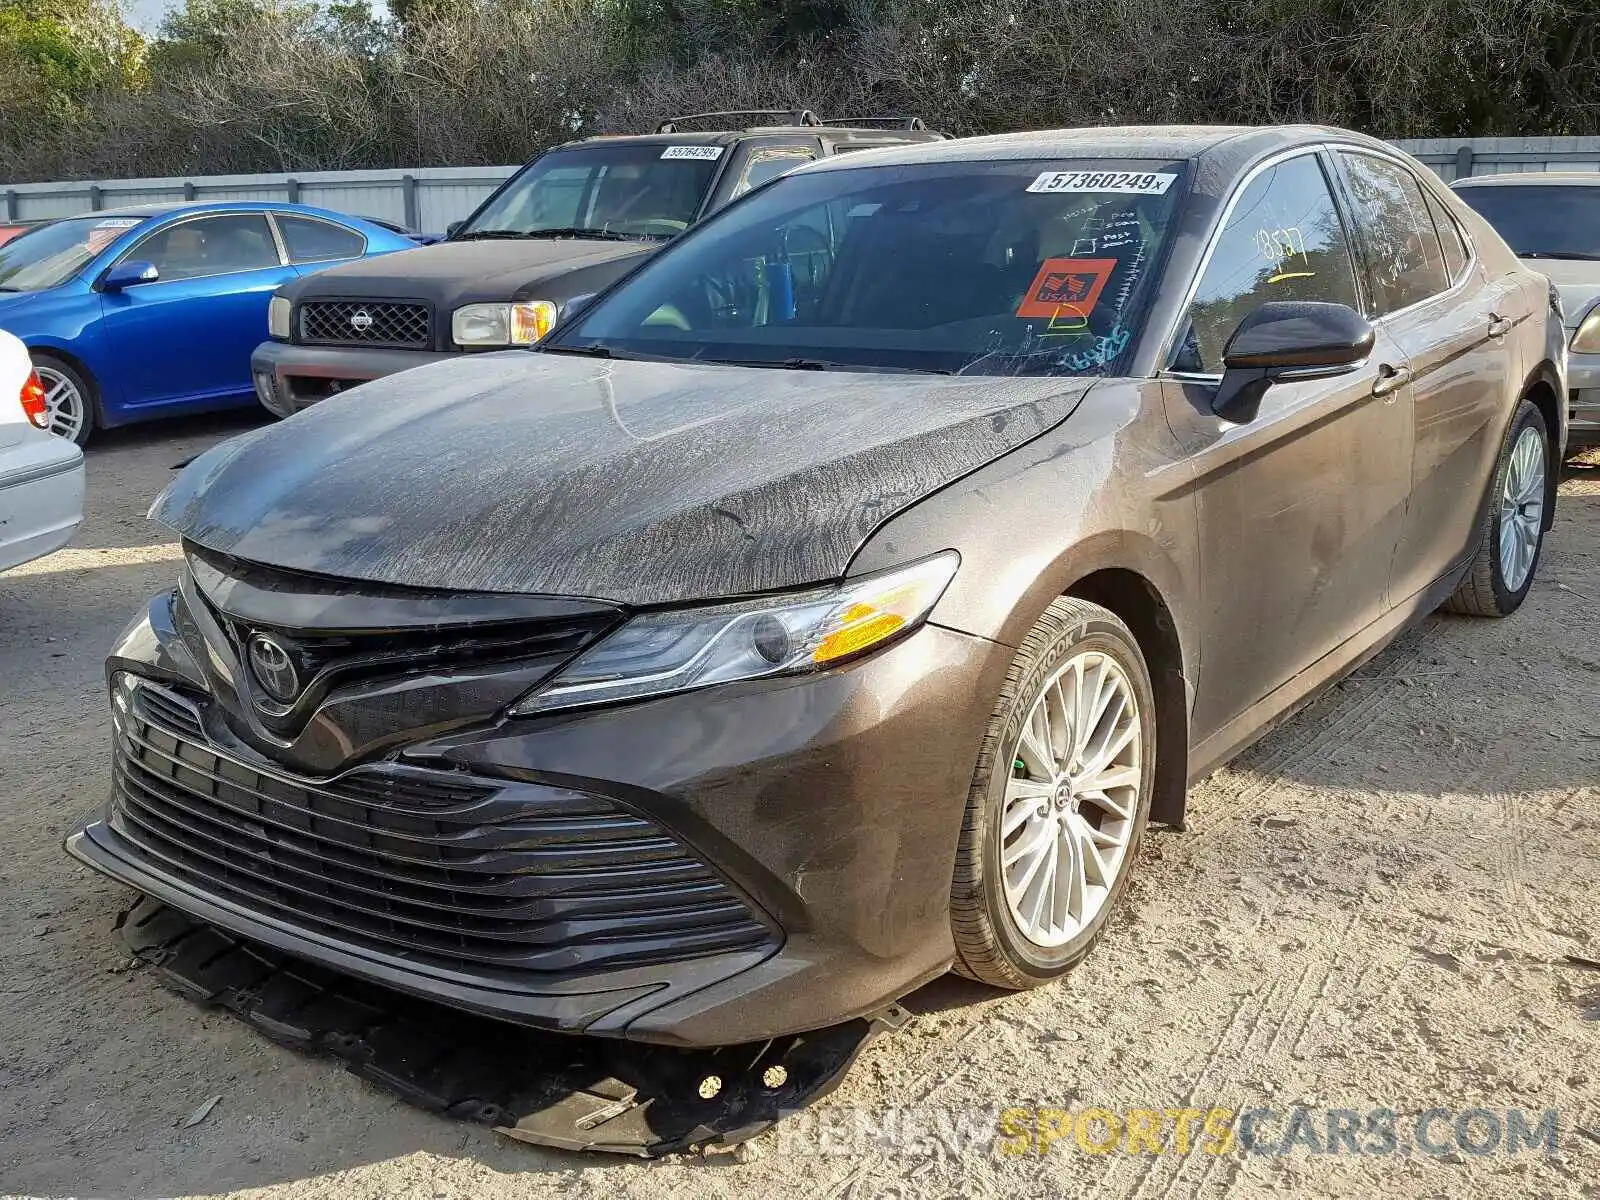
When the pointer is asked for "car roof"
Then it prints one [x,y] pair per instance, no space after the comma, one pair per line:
[171,207]
[1241,142]
[1523,178]
[727,137]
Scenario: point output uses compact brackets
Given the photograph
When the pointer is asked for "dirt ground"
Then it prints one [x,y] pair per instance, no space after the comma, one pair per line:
[1386,904]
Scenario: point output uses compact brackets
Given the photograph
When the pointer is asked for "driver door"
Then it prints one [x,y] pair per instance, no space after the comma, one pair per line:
[1299,510]
[187,337]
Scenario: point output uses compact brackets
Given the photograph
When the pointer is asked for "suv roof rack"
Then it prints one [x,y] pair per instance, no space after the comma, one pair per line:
[909,123]
[792,116]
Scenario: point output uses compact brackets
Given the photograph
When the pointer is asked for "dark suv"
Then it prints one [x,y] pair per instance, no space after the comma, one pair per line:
[570,223]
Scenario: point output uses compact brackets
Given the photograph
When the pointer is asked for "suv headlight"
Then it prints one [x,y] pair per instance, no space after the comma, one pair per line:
[1586,339]
[520,324]
[278,310]
[675,651]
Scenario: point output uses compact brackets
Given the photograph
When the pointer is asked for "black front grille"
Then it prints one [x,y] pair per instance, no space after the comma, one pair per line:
[359,323]
[431,865]
[422,640]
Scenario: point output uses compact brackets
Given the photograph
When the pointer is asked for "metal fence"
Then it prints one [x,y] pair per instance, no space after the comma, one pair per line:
[429,198]
[1454,158]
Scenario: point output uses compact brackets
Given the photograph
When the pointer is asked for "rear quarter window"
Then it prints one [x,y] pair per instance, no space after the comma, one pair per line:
[310,240]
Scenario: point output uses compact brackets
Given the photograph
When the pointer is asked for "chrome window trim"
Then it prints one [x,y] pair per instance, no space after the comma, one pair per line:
[265,215]
[283,239]
[1461,235]
[1169,338]
[278,239]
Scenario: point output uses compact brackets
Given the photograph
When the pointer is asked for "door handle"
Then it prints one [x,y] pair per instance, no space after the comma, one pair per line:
[1499,326]
[1390,380]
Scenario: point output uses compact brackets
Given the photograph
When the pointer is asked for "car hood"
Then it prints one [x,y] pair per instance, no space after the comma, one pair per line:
[638,482]
[452,273]
[1578,281]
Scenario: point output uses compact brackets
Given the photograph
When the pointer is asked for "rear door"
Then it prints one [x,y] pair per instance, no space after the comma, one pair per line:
[1300,509]
[1453,324]
[188,336]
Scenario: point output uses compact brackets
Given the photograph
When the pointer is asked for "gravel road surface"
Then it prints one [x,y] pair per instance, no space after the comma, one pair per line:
[1392,903]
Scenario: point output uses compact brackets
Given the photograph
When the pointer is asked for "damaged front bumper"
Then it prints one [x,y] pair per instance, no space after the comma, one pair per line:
[702,870]
[547,1089]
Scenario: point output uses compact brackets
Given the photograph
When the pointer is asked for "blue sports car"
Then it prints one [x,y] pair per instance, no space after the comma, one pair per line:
[136,313]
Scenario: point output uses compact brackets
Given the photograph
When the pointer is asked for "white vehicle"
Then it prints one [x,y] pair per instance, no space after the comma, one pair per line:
[41,476]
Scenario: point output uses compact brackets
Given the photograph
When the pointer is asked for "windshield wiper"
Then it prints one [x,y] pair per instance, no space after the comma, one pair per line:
[821,364]
[570,231]
[484,235]
[607,235]
[1573,254]
[593,350]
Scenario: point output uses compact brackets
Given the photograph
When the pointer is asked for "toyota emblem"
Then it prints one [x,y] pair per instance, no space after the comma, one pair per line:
[361,320]
[273,668]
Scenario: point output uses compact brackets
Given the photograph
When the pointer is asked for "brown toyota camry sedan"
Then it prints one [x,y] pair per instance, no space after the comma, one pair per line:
[831,602]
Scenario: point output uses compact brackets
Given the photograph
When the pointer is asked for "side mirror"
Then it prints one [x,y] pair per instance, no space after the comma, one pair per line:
[576,304]
[127,274]
[1287,340]
[453,228]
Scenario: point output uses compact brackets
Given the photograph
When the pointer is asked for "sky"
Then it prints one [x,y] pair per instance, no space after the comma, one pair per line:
[147,14]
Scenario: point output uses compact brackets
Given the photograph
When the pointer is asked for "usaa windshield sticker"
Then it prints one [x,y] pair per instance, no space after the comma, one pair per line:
[1133,183]
[703,152]
[1068,286]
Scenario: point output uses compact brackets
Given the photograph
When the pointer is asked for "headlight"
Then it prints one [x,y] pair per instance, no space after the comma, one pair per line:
[1587,339]
[278,318]
[519,324]
[662,652]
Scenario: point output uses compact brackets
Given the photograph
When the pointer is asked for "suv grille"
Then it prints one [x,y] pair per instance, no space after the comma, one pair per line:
[357,323]
[433,865]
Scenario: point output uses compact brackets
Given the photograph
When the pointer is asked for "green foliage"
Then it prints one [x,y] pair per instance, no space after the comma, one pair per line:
[242,85]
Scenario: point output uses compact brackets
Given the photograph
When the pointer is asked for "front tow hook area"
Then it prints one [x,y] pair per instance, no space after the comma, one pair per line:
[552,1089]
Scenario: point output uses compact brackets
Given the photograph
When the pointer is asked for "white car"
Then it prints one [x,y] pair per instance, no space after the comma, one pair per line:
[41,476]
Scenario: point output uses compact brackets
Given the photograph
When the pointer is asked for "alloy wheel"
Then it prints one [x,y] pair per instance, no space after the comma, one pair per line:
[1068,815]
[64,404]
[1522,509]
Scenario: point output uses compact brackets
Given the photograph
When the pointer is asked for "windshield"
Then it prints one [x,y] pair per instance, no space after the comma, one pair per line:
[1542,220]
[642,190]
[972,267]
[53,254]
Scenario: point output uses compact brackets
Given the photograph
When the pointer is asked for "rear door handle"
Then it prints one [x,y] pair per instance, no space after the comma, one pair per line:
[1499,326]
[1390,380]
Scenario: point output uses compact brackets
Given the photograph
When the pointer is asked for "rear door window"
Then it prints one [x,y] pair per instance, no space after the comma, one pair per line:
[310,240]
[1404,260]
[1284,240]
[767,163]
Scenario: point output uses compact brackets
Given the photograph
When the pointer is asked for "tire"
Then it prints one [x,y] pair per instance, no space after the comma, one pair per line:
[55,371]
[1071,641]
[1487,591]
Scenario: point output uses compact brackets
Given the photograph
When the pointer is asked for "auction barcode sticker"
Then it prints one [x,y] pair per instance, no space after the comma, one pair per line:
[707,152]
[1136,183]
